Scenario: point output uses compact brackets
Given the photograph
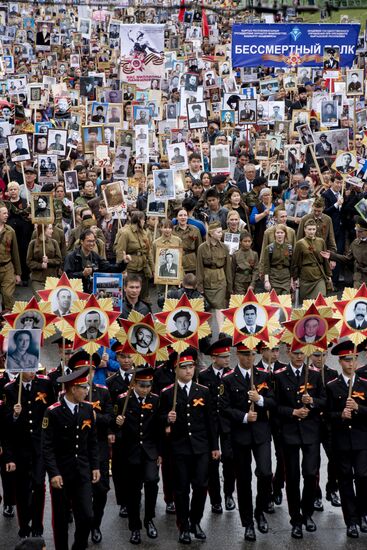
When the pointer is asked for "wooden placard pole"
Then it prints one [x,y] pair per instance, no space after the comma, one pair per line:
[20,387]
[354,122]
[25,185]
[322,369]
[123,412]
[90,377]
[176,383]
[350,389]
[311,148]
[306,374]
[43,240]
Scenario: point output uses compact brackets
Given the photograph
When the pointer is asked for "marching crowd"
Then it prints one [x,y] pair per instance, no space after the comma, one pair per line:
[246,179]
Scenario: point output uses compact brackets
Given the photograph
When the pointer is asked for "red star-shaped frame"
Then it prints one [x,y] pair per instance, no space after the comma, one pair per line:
[268,311]
[72,318]
[64,281]
[48,318]
[295,328]
[346,309]
[184,304]
[147,321]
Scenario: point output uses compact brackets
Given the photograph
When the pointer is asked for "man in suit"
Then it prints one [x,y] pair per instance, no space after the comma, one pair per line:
[193,441]
[299,411]
[324,148]
[196,109]
[346,164]
[250,316]
[359,322]
[182,320]
[144,340]
[43,36]
[348,414]
[168,269]
[273,150]
[247,114]
[244,403]
[335,207]
[212,378]
[310,330]
[19,150]
[92,323]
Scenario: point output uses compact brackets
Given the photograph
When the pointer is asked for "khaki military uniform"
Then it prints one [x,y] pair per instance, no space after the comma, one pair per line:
[9,265]
[75,233]
[324,230]
[191,240]
[357,255]
[136,242]
[277,265]
[34,261]
[310,268]
[59,236]
[245,270]
[269,237]
[213,272]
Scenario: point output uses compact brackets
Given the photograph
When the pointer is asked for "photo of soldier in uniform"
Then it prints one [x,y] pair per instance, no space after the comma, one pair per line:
[42,210]
[182,324]
[23,350]
[19,147]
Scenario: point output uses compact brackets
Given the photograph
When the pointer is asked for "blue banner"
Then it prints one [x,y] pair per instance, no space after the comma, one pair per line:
[287,45]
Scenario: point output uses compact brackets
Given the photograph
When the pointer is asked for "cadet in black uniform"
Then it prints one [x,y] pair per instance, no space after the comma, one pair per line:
[163,376]
[348,417]
[55,373]
[7,477]
[211,377]
[6,455]
[270,363]
[192,439]
[300,424]
[117,384]
[103,410]
[24,424]
[318,362]
[250,432]
[70,451]
[138,435]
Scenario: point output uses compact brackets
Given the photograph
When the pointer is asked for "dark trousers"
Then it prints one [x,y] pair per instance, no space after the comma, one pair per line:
[332,473]
[79,495]
[118,475]
[352,465]
[190,470]
[143,474]
[242,457]
[167,473]
[228,472]
[30,496]
[279,475]
[100,491]
[8,482]
[310,467]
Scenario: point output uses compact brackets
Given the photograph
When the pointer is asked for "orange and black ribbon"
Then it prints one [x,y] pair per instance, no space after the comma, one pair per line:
[302,388]
[199,401]
[358,394]
[147,406]
[41,397]
[87,424]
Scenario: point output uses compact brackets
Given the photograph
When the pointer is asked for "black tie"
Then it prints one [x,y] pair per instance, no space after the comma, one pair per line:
[76,408]
[186,390]
[28,387]
[127,379]
[141,399]
[298,375]
[248,377]
[219,376]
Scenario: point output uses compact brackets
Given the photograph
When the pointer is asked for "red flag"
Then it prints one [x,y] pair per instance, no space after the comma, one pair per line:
[204,22]
[181,14]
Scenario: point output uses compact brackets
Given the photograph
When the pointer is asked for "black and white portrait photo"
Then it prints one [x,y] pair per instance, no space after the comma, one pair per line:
[113,195]
[247,111]
[71,181]
[61,300]
[47,168]
[23,350]
[250,319]
[163,184]
[345,162]
[329,113]
[182,323]
[220,158]
[42,208]
[197,115]
[356,314]
[177,156]
[167,265]
[355,82]
[30,319]
[56,142]
[19,147]
[91,324]
[143,339]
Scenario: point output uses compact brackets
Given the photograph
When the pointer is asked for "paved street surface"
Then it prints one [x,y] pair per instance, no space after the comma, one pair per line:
[223,532]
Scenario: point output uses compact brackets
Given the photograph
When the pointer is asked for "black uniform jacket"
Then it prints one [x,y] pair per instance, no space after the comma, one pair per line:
[69,443]
[208,378]
[297,431]
[102,406]
[348,434]
[194,430]
[234,404]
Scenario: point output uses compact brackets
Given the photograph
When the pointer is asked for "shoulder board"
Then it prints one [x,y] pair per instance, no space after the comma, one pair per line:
[330,381]
[159,367]
[54,406]
[122,395]
[101,386]
[154,394]
[361,367]
[261,369]
[10,383]
[228,373]
[280,370]
[314,369]
[204,370]
[43,376]
[168,387]
[201,385]
[364,379]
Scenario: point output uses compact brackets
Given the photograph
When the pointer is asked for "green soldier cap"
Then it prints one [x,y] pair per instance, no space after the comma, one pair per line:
[214,225]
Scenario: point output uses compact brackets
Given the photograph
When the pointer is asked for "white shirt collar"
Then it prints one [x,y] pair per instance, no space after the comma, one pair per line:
[267,366]
[244,372]
[123,372]
[346,379]
[295,370]
[218,370]
[138,397]
[70,404]
[182,384]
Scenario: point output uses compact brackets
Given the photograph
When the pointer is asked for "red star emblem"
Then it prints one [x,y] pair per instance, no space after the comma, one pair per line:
[33,305]
[346,307]
[64,281]
[296,328]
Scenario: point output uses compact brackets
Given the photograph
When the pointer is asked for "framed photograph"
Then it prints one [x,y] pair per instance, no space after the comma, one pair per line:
[42,208]
[56,142]
[47,169]
[143,339]
[329,113]
[24,347]
[114,114]
[109,285]
[292,155]
[197,115]
[219,156]
[251,318]
[39,144]
[92,136]
[305,134]
[99,112]
[71,181]
[299,117]
[232,242]
[87,87]
[273,177]
[345,162]
[361,208]
[303,75]
[269,87]
[182,323]
[290,83]
[247,111]
[191,82]
[262,149]
[177,156]
[42,127]
[141,115]
[361,119]
[113,195]
[164,188]
[19,147]
[227,119]
[355,82]
[331,61]
[91,324]
[128,92]
[84,27]
[303,207]
[154,207]
[43,35]
[168,265]
[276,111]
[171,111]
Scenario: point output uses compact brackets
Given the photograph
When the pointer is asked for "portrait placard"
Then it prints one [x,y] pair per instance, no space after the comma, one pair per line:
[42,208]
[113,195]
[23,350]
[19,147]
[168,265]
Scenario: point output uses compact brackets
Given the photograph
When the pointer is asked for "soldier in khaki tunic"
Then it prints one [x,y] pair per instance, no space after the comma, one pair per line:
[310,270]
[44,260]
[357,253]
[324,224]
[191,240]
[9,260]
[213,272]
[280,216]
[277,263]
[245,266]
[134,240]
